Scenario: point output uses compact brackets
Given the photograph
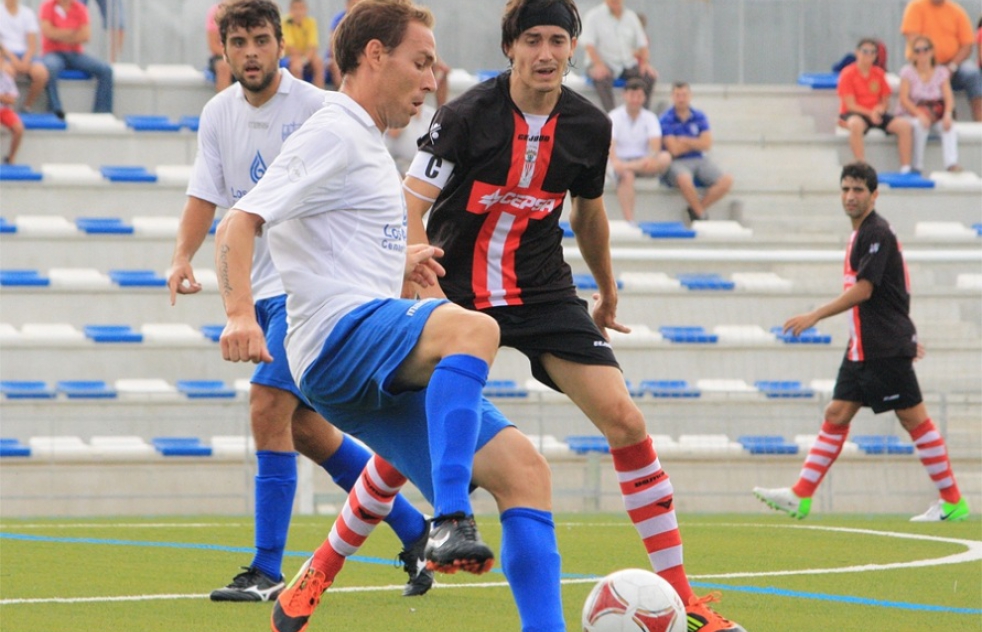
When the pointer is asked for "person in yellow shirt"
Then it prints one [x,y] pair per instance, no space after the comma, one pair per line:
[949,28]
[300,37]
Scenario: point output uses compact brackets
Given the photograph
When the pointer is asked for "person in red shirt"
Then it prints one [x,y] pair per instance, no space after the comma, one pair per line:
[64,29]
[865,98]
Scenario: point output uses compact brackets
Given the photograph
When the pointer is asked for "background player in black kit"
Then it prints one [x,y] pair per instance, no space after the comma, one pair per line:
[877,370]
[495,167]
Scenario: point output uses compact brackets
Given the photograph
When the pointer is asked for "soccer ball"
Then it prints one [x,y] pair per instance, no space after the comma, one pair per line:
[633,600]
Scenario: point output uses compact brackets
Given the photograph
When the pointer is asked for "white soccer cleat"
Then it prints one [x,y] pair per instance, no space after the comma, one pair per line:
[783,499]
[942,511]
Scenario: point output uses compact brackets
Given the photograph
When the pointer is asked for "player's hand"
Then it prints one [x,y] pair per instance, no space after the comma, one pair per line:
[180,280]
[421,265]
[798,324]
[243,341]
[920,353]
[605,315]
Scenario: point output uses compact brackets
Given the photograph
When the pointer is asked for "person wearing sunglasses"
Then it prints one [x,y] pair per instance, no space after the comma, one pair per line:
[927,101]
[865,98]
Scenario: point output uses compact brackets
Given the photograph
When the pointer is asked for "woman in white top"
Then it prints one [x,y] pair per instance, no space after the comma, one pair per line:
[926,99]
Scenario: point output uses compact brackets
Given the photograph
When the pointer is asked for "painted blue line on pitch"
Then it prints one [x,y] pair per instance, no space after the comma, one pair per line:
[780,592]
[212,547]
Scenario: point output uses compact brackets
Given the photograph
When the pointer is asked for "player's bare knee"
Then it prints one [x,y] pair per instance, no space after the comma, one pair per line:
[623,424]
[271,415]
[474,333]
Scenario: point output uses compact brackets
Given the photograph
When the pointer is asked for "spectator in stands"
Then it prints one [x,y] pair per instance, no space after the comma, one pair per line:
[878,369]
[19,32]
[332,67]
[635,149]
[64,29]
[949,28]
[927,101]
[686,136]
[302,45]
[217,63]
[8,116]
[112,10]
[233,154]
[616,48]
[402,142]
[864,96]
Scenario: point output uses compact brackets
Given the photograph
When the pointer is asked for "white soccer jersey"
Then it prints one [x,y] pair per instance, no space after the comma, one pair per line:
[632,137]
[237,142]
[332,201]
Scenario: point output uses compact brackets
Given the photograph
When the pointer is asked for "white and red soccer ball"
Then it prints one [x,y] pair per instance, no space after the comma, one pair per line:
[633,600]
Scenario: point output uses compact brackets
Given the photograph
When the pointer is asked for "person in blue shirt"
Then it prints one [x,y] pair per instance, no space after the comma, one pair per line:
[686,136]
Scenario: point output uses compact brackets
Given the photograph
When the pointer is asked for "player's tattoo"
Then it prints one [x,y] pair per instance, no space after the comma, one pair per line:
[223,271]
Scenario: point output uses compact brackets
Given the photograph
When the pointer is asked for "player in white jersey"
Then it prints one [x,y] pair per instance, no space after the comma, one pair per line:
[241,132]
[403,375]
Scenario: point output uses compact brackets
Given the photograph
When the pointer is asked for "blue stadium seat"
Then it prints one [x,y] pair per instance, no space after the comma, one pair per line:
[86,389]
[190,122]
[670,389]
[42,120]
[21,173]
[212,332]
[14,448]
[767,444]
[137,278]
[127,174]
[16,389]
[697,335]
[810,336]
[583,444]
[585,281]
[819,80]
[153,123]
[7,227]
[882,444]
[112,333]
[214,226]
[567,230]
[103,226]
[667,230]
[74,75]
[705,282]
[504,388]
[180,446]
[205,389]
[784,389]
[905,181]
[484,75]
[23,278]
[976,227]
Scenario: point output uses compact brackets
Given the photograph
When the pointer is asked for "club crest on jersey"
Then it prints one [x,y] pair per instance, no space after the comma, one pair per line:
[258,168]
[289,128]
[435,132]
[874,248]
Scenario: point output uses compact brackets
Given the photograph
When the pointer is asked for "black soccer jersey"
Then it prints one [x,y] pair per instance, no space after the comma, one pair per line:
[497,218]
[881,326]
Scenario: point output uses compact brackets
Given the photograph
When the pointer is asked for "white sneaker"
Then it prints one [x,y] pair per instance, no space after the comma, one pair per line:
[783,499]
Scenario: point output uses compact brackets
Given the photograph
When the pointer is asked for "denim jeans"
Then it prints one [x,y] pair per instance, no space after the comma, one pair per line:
[101,71]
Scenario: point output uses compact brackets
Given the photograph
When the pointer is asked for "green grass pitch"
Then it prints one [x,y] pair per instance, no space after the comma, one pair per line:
[842,573]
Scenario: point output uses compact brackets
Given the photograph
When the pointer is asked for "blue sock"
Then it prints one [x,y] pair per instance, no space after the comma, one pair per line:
[531,563]
[346,465]
[453,413]
[276,484]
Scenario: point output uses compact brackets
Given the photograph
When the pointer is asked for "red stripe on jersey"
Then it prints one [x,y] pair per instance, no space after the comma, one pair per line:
[508,209]
[855,352]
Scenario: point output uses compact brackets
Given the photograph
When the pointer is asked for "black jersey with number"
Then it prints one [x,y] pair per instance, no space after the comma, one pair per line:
[497,217]
[881,326]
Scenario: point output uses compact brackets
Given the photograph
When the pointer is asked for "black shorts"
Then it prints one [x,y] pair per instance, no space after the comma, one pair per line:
[881,383]
[885,120]
[563,328]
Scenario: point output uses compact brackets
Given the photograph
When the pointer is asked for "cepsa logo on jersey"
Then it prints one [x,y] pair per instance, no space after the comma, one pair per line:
[518,201]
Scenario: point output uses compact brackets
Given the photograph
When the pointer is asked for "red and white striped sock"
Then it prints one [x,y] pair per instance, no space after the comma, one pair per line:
[368,503]
[648,498]
[820,458]
[933,453]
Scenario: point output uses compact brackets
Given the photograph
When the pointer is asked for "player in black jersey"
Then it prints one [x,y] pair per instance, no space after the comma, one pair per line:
[877,370]
[495,167]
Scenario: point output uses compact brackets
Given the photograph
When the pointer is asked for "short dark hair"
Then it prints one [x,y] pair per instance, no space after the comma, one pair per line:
[860,171]
[678,85]
[635,83]
[516,12]
[249,14]
[382,20]
[869,40]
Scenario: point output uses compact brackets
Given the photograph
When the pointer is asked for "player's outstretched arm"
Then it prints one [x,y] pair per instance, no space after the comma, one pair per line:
[848,299]
[242,340]
[191,232]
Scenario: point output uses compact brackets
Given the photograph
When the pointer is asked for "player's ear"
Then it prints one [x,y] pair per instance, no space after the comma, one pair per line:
[374,51]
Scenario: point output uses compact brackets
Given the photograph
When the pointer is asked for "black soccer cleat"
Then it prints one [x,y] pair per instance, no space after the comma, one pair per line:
[250,585]
[455,545]
[414,563]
